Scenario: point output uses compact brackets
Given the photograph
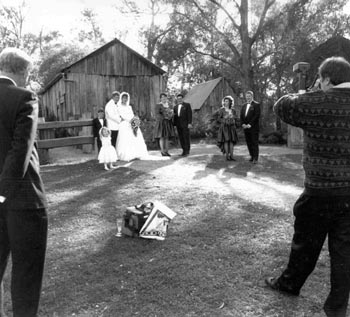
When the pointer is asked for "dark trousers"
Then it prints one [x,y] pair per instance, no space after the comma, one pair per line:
[99,144]
[23,234]
[315,218]
[114,136]
[184,137]
[252,140]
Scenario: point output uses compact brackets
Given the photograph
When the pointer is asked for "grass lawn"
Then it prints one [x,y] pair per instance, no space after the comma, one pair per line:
[233,228]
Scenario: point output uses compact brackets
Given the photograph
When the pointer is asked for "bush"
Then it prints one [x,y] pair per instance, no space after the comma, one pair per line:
[275,137]
[147,126]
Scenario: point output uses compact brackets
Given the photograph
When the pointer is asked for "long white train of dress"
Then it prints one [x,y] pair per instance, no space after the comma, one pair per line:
[129,146]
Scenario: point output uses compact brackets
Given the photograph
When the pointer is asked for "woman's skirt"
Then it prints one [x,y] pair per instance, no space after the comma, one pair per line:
[226,133]
[163,129]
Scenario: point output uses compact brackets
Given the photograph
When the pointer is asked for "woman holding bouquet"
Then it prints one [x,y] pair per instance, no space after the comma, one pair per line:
[164,128]
[227,134]
[130,142]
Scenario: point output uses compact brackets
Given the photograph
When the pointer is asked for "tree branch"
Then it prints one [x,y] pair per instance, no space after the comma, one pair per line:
[227,13]
[267,5]
[217,57]
[237,5]
[223,35]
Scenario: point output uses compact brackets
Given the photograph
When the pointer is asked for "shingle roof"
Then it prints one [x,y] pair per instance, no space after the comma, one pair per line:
[199,93]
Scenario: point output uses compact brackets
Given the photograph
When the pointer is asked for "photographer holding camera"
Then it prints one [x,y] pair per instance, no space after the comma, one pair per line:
[324,206]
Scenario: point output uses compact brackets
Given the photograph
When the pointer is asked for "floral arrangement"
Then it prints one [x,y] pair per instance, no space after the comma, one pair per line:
[135,124]
[168,113]
[229,117]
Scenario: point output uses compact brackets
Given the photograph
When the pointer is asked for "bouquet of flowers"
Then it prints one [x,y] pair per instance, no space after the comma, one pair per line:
[168,113]
[135,124]
[229,117]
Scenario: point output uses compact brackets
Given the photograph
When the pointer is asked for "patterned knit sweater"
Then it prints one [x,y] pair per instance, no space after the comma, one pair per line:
[325,120]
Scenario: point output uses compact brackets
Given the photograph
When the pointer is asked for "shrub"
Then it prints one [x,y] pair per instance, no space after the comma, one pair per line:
[275,137]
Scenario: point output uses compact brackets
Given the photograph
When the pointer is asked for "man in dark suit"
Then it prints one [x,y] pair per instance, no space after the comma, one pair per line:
[97,124]
[250,115]
[183,123]
[23,217]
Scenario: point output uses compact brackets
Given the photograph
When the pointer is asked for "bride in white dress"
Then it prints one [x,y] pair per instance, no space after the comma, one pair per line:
[129,146]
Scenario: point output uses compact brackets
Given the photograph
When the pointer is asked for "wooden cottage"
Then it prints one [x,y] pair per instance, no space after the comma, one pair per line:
[206,98]
[83,87]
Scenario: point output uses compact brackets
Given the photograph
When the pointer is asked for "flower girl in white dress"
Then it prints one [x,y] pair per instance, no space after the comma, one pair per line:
[107,154]
[130,142]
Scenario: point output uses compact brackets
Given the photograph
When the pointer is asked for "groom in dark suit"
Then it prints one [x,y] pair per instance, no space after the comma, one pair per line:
[183,123]
[23,217]
[250,115]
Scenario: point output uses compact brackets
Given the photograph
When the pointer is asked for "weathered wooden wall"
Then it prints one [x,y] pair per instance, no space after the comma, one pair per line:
[115,60]
[87,85]
[82,93]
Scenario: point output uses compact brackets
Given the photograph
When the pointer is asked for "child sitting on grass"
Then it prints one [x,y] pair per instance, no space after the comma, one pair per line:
[108,154]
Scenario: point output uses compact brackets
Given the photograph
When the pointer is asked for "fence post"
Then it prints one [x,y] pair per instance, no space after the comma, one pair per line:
[44,156]
[87,148]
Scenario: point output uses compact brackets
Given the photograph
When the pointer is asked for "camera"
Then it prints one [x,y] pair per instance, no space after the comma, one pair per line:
[301,69]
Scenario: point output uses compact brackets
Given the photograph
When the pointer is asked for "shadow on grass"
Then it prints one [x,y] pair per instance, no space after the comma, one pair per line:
[277,167]
[70,188]
[213,262]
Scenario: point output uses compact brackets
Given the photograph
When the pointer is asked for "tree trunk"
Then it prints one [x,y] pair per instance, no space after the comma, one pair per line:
[278,121]
[246,61]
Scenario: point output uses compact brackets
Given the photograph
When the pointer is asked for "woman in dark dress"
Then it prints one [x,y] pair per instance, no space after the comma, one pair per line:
[164,128]
[227,134]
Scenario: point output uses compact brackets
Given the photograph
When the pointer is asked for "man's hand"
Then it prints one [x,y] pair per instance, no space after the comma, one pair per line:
[2,199]
[190,126]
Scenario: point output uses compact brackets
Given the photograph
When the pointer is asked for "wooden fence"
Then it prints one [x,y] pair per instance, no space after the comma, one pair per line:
[48,141]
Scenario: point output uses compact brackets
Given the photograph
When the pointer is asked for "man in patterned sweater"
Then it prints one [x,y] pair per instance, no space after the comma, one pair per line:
[324,206]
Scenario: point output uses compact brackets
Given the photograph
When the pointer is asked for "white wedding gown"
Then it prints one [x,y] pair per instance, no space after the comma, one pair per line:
[129,146]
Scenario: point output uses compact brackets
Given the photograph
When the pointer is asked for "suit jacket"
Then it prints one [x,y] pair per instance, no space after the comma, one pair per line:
[20,181]
[185,117]
[252,116]
[96,126]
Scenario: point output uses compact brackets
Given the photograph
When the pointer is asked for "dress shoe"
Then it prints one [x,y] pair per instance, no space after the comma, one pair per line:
[251,160]
[274,284]
[163,153]
[255,161]
[167,153]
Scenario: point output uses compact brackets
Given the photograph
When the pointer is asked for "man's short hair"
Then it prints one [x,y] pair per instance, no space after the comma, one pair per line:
[250,93]
[336,68]
[100,110]
[115,93]
[180,95]
[15,61]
